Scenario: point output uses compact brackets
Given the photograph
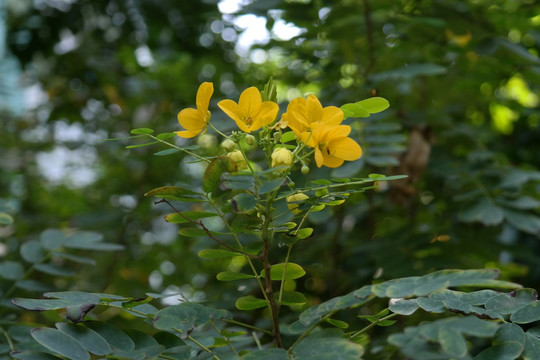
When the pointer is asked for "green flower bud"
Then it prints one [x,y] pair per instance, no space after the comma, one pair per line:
[249,139]
[291,184]
[228,145]
[304,170]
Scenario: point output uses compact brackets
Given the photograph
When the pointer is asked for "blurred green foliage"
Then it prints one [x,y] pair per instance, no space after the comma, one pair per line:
[461,78]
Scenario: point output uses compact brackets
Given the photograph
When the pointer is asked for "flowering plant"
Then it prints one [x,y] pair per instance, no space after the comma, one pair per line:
[261,216]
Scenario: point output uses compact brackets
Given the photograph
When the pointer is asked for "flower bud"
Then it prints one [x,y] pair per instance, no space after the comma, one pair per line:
[282,156]
[239,159]
[277,136]
[291,184]
[228,145]
[249,139]
[293,201]
[304,170]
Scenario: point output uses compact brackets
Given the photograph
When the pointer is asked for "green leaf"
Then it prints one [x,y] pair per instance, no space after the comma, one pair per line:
[323,348]
[75,258]
[5,219]
[485,212]
[503,351]
[217,253]
[31,355]
[33,285]
[87,240]
[116,338]
[292,298]
[87,338]
[287,136]
[354,110]
[166,152]
[231,276]
[271,186]
[266,354]
[11,270]
[521,203]
[527,314]
[338,323]
[164,136]
[60,343]
[54,270]
[76,313]
[304,233]
[52,239]
[244,202]
[511,302]
[532,347]
[374,105]
[249,302]
[172,192]
[141,131]
[292,271]
[509,333]
[183,216]
[32,251]
[404,307]
[528,223]
[452,342]
[214,170]
[62,301]
[185,316]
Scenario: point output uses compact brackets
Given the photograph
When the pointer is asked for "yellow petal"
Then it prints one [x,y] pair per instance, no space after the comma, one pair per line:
[188,134]
[204,94]
[346,149]
[314,109]
[232,109]
[337,132]
[332,115]
[331,161]
[267,114]
[191,119]
[307,138]
[249,102]
[319,157]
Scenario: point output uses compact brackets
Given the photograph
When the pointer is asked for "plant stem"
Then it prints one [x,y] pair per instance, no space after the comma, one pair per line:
[247,326]
[206,230]
[224,338]
[179,148]
[197,343]
[308,331]
[283,275]
[8,339]
[364,330]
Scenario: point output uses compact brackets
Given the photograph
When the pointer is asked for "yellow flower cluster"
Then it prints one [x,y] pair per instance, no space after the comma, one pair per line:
[317,127]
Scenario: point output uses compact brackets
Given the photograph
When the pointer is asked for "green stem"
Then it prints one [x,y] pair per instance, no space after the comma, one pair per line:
[364,330]
[247,326]
[283,274]
[308,331]
[224,338]
[218,131]
[198,344]
[359,182]
[179,148]
[222,216]
[8,339]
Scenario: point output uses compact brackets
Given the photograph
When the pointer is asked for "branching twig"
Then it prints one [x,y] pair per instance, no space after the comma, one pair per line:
[205,229]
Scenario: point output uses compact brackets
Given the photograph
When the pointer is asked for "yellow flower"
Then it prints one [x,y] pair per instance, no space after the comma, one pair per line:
[282,156]
[332,144]
[302,114]
[295,200]
[196,120]
[239,159]
[251,113]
